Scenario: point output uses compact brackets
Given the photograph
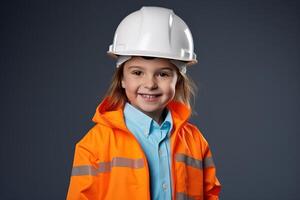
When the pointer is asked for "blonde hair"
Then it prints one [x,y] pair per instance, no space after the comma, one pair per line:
[185,90]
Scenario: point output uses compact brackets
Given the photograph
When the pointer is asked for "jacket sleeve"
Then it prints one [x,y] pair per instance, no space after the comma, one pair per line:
[84,183]
[212,186]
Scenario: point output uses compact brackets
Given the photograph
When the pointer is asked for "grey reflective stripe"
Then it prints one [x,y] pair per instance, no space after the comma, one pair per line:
[207,162]
[121,162]
[189,160]
[107,166]
[84,170]
[183,196]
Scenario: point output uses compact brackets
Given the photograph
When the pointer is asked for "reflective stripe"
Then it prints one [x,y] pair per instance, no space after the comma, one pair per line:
[207,162]
[107,166]
[189,160]
[84,170]
[183,196]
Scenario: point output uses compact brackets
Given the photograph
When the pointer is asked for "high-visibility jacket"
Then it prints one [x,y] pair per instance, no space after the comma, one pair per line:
[109,163]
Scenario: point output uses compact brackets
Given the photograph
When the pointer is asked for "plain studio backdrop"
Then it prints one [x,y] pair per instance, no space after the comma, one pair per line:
[55,71]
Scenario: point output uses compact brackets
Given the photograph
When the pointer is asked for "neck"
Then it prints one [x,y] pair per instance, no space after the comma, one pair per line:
[157,116]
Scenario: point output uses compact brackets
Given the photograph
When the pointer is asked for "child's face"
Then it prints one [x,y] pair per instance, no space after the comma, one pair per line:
[149,83]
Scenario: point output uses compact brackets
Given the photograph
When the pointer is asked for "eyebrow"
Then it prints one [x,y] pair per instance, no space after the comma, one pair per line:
[139,67]
[133,66]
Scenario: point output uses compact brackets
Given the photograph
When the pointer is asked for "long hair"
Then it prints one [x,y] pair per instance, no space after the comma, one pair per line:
[185,90]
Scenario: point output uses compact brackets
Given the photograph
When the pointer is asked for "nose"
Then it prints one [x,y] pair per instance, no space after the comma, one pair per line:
[150,82]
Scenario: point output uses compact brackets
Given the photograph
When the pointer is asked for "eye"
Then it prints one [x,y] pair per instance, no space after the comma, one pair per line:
[163,74]
[136,73]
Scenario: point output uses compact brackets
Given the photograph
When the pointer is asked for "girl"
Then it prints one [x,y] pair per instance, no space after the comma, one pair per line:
[142,146]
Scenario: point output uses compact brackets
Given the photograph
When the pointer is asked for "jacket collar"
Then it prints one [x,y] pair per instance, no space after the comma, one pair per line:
[115,118]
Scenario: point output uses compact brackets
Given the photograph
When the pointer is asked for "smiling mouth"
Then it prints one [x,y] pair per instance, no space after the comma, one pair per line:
[150,96]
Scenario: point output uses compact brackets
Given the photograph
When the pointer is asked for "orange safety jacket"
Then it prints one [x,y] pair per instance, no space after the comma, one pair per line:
[109,163]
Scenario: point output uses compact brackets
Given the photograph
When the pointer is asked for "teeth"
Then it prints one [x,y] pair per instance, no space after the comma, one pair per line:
[149,96]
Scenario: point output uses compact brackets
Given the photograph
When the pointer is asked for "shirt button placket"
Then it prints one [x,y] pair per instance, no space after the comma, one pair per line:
[164,186]
[160,152]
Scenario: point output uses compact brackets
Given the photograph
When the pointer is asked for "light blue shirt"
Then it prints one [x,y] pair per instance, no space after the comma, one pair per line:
[155,142]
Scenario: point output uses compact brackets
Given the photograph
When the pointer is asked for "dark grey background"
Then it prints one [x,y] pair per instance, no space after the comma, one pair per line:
[54,72]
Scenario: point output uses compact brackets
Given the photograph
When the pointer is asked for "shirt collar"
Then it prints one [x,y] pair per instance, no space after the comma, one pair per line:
[167,123]
[142,120]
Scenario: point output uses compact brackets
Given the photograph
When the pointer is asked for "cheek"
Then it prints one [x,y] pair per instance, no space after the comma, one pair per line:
[170,87]
[173,90]
[173,83]
[125,81]
[129,85]
[173,86]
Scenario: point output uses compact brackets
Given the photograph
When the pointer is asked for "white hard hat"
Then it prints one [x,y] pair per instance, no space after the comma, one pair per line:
[155,32]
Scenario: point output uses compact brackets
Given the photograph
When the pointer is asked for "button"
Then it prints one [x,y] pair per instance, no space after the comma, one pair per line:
[160,152]
[164,186]
[146,132]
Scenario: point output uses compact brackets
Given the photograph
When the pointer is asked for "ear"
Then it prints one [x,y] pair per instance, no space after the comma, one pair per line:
[123,83]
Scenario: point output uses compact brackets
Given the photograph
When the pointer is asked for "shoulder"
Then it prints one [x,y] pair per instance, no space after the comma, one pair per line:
[96,137]
[194,133]
[193,129]
[97,132]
